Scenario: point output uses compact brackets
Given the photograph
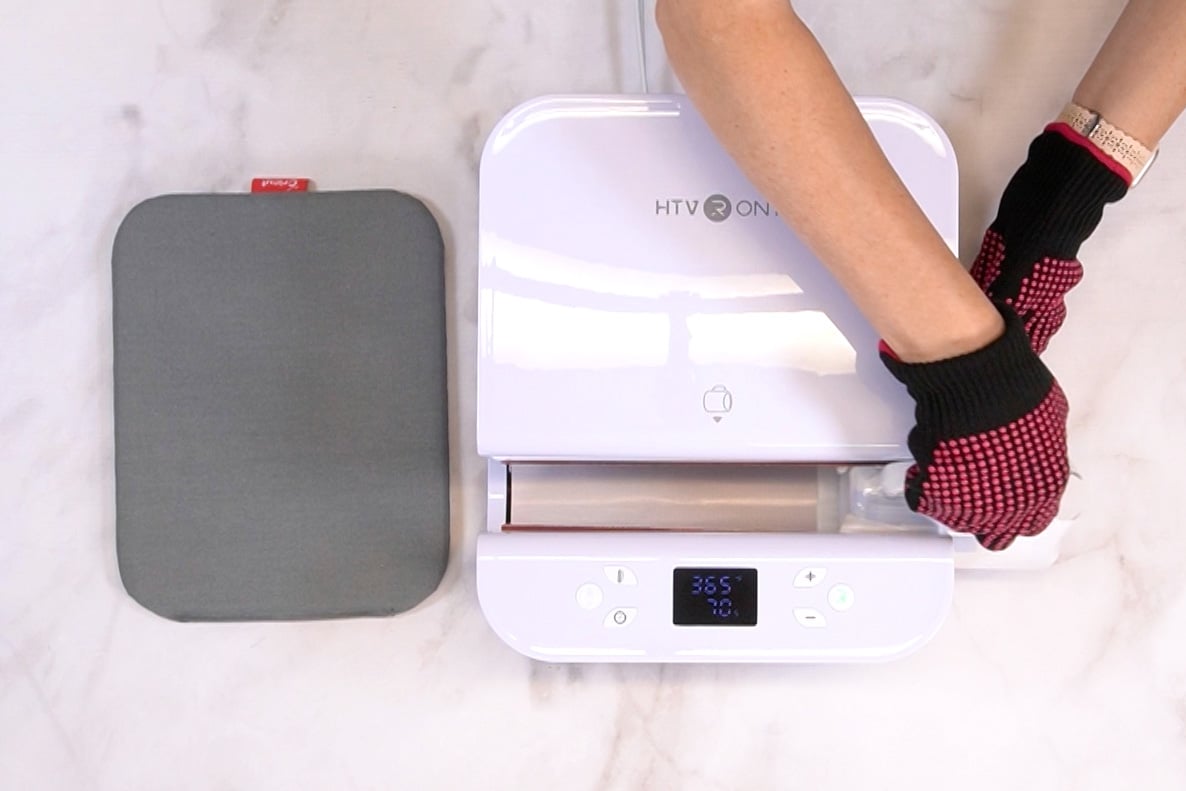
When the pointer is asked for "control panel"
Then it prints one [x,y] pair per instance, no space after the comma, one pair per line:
[649,596]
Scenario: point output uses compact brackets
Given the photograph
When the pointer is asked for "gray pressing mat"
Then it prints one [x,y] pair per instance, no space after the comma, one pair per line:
[281,430]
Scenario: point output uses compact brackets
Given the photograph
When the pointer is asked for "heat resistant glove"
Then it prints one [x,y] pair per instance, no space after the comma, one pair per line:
[1028,259]
[990,440]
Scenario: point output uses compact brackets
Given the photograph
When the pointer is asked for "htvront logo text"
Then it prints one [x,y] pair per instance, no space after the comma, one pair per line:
[715,208]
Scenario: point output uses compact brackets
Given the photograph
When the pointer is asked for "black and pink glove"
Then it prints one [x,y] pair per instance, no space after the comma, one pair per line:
[990,440]
[1054,202]
[990,444]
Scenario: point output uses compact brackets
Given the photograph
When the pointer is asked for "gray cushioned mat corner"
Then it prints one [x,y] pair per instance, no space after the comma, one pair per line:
[281,430]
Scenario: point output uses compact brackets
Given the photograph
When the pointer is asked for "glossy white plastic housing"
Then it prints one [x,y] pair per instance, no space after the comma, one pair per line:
[535,590]
[639,300]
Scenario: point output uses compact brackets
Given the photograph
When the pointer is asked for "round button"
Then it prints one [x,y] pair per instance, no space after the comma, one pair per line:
[840,597]
[620,617]
[588,596]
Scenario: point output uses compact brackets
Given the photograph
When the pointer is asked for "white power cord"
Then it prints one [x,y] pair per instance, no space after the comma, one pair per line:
[642,45]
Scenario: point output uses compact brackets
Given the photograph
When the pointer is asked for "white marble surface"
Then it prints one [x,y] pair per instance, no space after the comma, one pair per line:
[1071,679]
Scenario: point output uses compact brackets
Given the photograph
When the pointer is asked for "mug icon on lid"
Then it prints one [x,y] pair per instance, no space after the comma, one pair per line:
[718,401]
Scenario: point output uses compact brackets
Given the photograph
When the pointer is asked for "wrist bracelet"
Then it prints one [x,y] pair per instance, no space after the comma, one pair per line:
[1123,148]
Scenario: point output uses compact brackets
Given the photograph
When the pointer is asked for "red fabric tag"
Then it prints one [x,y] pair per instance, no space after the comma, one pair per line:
[279,185]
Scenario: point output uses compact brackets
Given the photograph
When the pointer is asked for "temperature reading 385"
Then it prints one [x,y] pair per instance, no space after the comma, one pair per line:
[715,597]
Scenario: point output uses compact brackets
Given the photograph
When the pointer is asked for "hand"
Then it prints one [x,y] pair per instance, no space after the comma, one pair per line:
[1050,207]
[990,443]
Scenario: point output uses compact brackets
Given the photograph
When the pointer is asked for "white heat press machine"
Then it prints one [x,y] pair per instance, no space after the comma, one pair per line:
[695,454]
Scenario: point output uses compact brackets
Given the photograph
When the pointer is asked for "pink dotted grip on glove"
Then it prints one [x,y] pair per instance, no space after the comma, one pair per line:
[1002,483]
[1039,297]
[1029,257]
[990,438]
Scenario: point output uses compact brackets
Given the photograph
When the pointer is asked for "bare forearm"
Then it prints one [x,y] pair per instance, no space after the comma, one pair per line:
[1138,79]
[772,98]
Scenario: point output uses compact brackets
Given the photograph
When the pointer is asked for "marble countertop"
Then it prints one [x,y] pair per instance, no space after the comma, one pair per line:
[1073,678]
